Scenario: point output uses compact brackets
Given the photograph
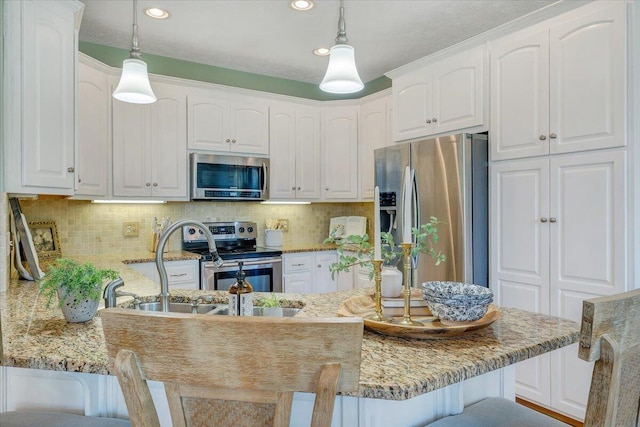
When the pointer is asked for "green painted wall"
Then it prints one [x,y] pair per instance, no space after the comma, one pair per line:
[207,73]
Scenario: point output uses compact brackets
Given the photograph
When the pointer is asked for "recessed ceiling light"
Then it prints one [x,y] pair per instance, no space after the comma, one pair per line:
[321,51]
[156,13]
[301,4]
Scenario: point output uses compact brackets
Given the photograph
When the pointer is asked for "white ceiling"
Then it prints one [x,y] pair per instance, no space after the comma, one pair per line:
[268,37]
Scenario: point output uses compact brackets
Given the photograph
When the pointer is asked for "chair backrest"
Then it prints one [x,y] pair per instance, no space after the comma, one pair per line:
[227,370]
[610,336]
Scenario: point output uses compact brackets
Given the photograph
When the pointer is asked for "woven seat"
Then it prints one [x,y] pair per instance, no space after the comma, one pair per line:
[610,336]
[228,370]
[54,419]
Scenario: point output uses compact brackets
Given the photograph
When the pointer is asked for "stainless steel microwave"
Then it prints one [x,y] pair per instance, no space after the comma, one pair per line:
[222,177]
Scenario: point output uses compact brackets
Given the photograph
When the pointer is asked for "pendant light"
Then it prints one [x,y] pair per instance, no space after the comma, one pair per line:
[134,86]
[342,75]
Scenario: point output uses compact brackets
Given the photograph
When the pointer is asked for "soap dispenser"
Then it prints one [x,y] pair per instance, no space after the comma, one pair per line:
[241,295]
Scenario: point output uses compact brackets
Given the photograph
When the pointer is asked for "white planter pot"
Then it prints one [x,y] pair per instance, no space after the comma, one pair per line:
[77,311]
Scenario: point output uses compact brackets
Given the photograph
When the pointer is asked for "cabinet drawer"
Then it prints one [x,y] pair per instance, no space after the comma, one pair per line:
[297,263]
[181,273]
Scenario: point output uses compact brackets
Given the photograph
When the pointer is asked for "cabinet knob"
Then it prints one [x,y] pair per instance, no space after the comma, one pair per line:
[233,141]
[552,219]
[79,180]
[428,121]
[299,188]
[227,140]
[319,265]
[293,188]
[148,184]
[542,137]
[435,120]
[71,169]
[155,184]
[543,219]
[326,188]
[553,136]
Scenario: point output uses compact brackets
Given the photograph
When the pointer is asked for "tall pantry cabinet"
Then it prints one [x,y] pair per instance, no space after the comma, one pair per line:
[558,182]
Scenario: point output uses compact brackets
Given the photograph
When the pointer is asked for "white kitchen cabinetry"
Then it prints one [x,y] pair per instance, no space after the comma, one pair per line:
[340,153]
[445,96]
[375,132]
[150,146]
[227,122]
[295,149]
[183,274]
[549,96]
[308,272]
[40,45]
[558,237]
[94,97]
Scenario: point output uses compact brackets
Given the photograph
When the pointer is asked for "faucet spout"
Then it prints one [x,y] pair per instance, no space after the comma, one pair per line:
[162,242]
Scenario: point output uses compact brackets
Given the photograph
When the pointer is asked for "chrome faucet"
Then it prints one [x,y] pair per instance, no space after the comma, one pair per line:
[164,282]
[110,292]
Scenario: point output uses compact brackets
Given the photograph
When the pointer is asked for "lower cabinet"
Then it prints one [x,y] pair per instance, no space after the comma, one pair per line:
[308,272]
[181,274]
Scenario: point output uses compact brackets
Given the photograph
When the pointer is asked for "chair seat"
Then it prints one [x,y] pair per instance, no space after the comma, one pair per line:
[54,419]
[498,412]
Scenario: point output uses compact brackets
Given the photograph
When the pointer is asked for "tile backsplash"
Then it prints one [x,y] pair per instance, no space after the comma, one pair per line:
[88,228]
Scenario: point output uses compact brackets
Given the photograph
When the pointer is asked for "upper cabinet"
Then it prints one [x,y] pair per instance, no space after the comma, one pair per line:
[375,132]
[94,132]
[40,44]
[220,121]
[340,153]
[443,97]
[150,146]
[560,87]
[295,150]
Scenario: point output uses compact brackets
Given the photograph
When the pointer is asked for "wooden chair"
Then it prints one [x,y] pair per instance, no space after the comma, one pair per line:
[56,419]
[231,371]
[610,336]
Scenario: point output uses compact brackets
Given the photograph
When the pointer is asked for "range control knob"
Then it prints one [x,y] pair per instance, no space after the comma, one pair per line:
[250,229]
[192,231]
[241,229]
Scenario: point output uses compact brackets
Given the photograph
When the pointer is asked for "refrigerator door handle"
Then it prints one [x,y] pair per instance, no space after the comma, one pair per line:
[415,215]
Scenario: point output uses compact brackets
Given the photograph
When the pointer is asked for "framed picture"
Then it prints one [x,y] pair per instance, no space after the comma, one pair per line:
[45,240]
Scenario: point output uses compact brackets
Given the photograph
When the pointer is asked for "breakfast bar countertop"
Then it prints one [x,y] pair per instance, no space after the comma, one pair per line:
[392,368]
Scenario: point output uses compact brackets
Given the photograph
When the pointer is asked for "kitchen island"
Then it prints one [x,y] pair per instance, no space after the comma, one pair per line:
[51,364]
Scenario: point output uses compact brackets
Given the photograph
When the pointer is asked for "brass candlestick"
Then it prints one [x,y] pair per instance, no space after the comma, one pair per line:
[377,269]
[406,320]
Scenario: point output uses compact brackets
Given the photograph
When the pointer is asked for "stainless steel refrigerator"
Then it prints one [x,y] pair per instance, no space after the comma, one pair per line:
[450,182]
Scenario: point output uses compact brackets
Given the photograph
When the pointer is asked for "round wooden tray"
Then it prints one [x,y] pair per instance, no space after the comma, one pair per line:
[431,328]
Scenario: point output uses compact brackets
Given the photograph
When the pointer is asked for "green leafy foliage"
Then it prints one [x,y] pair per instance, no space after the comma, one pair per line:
[82,280]
[271,301]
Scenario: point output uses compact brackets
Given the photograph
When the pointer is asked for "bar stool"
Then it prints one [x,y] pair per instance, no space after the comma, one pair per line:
[55,419]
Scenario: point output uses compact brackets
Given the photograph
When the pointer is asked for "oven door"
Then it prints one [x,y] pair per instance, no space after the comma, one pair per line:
[264,274]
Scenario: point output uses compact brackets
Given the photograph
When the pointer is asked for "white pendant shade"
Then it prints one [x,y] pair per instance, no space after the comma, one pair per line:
[342,75]
[134,86]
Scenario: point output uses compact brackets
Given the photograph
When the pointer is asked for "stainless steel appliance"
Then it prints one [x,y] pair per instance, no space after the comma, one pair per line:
[222,177]
[235,241]
[450,182]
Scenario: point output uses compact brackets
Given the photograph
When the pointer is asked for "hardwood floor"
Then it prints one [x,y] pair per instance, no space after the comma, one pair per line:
[560,417]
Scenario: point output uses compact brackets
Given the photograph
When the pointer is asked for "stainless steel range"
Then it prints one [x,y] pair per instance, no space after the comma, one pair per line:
[236,241]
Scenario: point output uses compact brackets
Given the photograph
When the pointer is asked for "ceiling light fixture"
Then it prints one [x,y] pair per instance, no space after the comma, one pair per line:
[342,74]
[321,51]
[301,4]
[134,86]
[156,13]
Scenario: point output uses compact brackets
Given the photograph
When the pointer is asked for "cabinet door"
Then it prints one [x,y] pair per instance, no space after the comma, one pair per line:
[323,281]
[93,132]
[131,160]
[48,95]
[588,90]
[374,134]
[168,143]
[298,283]
[340,153]
[458,92]
[282,132]
[249,126]
[412,106]
[307,152]
[208,121]
[520,95]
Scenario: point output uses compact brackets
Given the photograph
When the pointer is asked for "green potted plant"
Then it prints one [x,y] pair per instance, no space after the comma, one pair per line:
[271,305]
[77,286]
[360,252]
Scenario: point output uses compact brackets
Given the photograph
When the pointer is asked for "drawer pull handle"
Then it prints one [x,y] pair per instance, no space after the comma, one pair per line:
[178,275]
[298,265]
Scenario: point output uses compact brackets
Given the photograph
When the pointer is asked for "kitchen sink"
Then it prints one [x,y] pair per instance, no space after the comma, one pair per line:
[223,309]
[178,307]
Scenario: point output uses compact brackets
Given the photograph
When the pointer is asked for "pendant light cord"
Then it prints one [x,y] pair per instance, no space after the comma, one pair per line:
[135,51]
[342,27]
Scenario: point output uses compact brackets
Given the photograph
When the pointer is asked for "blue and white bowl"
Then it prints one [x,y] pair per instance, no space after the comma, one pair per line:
[456,301]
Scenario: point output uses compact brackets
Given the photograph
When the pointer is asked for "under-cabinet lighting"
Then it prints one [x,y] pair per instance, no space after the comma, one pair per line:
[276,202]
[142,202]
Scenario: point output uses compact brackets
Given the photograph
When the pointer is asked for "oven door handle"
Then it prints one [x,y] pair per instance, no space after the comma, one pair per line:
[234,263]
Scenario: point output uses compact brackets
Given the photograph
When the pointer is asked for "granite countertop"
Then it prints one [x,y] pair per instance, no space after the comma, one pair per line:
[307,247]
[391,368]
